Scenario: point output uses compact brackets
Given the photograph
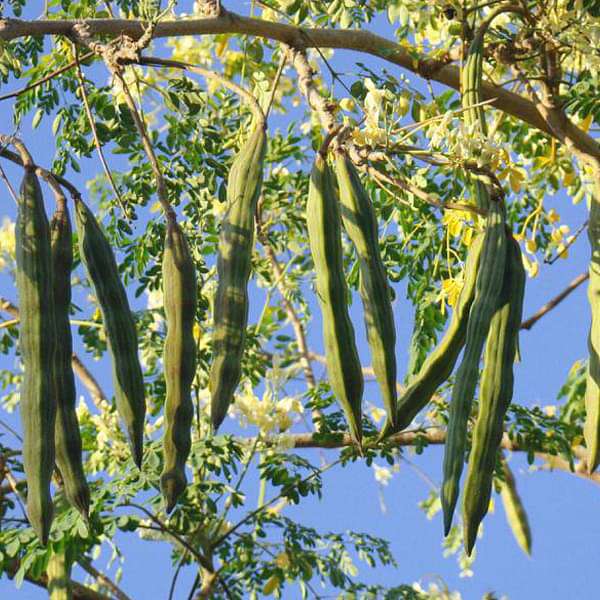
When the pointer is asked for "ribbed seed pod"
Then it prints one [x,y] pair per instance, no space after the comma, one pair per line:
[67,436]
[179,359]
[58,572]
[591,429]
[128,381]
[495,394]
[324,237]
[360,222]
[234,264]
[515,511]
[487,291]
[474,117]
[440,363]
[37,343]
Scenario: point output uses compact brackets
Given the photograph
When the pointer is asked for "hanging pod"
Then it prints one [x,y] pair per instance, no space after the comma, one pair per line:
[488,286]
[360,222]
[37,344]
[128,381]
[179,359]
[439,364]
[234,263]
[516,515]
[591,428]
[324,237]
[495,394]
[67,436]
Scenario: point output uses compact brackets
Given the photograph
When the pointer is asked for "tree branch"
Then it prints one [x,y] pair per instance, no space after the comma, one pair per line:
[436,436]
[102,579]
[90,118]
[40,171]
[554,302]
[44,79]
[300,38]
[79,591]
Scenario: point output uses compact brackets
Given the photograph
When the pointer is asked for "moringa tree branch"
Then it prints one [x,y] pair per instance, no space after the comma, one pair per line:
[436,436]
[300,38]
[554,302]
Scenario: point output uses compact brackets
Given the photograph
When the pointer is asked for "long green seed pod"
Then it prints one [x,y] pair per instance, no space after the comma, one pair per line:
[591,427]
[440,363]
[128,381]
[495,394]
[324,237]
[179,358]
[487,291]
[474,117]
[515,511]
[37,344]
[59,581]
[67,436]
[233,267]
[360,222]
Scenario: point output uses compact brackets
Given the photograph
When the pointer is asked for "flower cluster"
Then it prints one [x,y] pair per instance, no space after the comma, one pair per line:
[268,413]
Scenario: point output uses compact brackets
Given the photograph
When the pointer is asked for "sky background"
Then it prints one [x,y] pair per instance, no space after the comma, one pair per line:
[563,509]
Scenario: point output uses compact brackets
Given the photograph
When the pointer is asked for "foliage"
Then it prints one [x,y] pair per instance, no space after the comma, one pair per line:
[196,128]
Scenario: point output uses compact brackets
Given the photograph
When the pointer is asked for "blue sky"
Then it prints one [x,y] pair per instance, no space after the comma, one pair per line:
[563,509]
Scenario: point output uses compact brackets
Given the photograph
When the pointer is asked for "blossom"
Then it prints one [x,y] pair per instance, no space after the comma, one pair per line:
[376,413]
[451,289]
[531,266]
[267,413]
[347,104]
[383,475]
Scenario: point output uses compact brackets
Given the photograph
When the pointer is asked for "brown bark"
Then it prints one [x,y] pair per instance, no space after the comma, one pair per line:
[299,38]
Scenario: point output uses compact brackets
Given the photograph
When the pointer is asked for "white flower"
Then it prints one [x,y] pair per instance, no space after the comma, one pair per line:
[383,475]
[376,413]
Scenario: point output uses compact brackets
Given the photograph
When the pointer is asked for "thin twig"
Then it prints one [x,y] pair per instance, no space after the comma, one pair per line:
[293,317]
[161,186]
[20,496]
[570,242]
[102,579]
[153,61]
[10,429]
[43,80]
[9,186]
[176,575]
[291,312]
[194,586]
[554,302]
[280,68]
[90,118]
[197,555]
[249,516]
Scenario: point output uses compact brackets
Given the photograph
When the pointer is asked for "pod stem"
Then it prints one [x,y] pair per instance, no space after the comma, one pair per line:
[153,61]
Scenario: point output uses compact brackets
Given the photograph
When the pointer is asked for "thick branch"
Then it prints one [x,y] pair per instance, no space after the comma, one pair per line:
[79,591]
[360,41]
[437,436]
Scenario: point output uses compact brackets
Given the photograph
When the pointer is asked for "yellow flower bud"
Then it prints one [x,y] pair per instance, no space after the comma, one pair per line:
[347,104]
[531,246]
